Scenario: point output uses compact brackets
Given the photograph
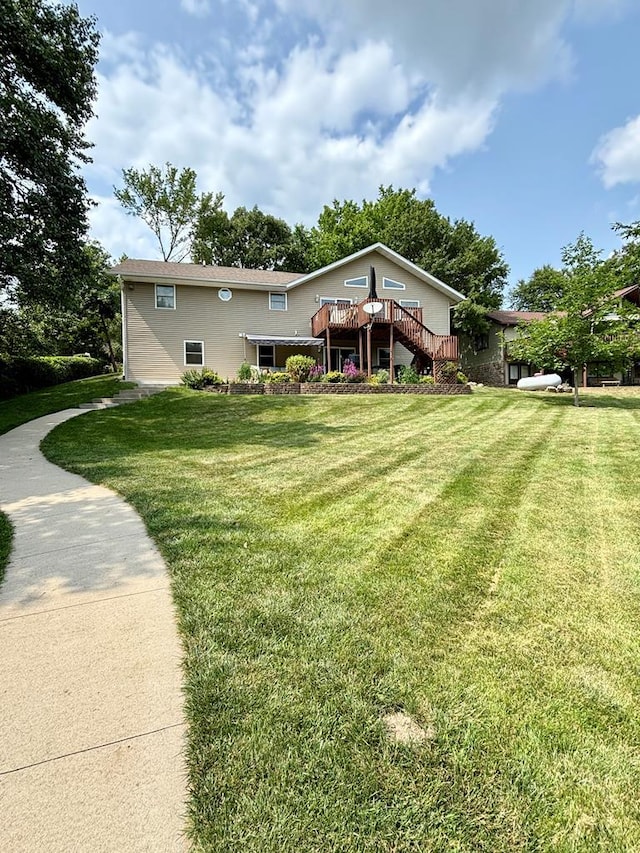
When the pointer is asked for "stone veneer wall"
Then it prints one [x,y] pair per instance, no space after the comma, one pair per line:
[490,373]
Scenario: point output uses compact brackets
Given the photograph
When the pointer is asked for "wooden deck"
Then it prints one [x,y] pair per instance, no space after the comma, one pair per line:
[406,322]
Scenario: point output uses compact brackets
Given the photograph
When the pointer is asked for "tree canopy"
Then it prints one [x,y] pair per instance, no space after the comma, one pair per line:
[249,238]
[541,292]
[47,87]
[452,251]
[167,201]
[590,324]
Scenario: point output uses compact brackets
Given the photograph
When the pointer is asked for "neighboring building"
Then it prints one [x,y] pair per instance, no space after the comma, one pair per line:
[485,358]
[178,316]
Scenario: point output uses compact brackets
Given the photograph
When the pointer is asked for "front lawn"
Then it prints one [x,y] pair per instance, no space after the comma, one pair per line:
[470,561]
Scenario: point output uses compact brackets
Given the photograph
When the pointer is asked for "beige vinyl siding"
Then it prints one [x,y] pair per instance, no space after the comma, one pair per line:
[156,337]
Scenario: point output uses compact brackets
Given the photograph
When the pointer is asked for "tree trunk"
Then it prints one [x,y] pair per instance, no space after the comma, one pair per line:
[576,397]
[112,357]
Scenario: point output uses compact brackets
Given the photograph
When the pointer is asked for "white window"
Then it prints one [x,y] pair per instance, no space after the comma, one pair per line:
[391,284]
[266,355]
[361,281]
[194,353]
[166,296]
[224,294]
[409,303]
[277,301]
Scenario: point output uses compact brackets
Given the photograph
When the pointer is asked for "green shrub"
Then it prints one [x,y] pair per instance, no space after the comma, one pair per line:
[298,367]
[197,380]
[408,375]
[335,376]
[461,378]
[427,380]
[382,376]
[373,379]
[449,371]
[21,374]
[271,378]
[244,372]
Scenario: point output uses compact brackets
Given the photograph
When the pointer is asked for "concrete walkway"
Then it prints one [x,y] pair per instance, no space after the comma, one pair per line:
[91,719]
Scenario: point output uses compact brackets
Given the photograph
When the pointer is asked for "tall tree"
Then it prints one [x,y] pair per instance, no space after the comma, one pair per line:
[251,239]
[541,292]
[625,262]
[89,321]
[47,87]
[167,201]
[590,326]
[452,251]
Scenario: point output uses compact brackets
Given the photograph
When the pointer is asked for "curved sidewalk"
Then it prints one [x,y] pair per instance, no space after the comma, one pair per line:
[91,720]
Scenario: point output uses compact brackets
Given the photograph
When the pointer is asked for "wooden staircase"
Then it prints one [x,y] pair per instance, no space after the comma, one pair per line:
[408,327]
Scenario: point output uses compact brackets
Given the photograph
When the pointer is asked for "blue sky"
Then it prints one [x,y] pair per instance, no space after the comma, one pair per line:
[520,115]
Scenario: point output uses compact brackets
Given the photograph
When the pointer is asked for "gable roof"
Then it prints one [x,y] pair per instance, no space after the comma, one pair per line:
[388,253]
[201,274]
[139,270]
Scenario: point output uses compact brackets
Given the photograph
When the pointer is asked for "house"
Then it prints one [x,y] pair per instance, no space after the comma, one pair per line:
[485,358]
[178,316]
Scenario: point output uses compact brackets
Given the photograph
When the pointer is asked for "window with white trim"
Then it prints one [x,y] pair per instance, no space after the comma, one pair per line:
[409,303]
[194,353]
[266,355]
[166,296]
[360,281]
[392,284]
[277,302]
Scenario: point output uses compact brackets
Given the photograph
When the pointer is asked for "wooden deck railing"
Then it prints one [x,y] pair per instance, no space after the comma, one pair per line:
[408,321]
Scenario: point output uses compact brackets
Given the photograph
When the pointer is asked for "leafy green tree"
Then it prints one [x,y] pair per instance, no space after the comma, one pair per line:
[47,87]
[541,292]
[625,262]
[251,239]
[90,321]
[452,251]
[167,201]
[590,324]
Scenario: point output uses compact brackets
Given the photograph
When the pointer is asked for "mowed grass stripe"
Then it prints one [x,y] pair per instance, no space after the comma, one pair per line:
[330,564]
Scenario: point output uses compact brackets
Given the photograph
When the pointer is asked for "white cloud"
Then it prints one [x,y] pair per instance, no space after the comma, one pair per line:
[199,8]
[373,93]
[324,126]
[120,234]
[481,46]
[618,154]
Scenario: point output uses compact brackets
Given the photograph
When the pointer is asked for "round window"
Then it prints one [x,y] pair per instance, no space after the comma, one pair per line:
[225,294]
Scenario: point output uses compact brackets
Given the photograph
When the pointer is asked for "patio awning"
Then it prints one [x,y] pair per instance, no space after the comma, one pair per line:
[278,341]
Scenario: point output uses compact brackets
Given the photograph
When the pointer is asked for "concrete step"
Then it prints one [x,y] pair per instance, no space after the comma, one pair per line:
[97,405]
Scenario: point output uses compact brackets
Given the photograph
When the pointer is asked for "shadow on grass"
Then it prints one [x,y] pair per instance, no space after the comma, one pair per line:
[588,400]
[185,421]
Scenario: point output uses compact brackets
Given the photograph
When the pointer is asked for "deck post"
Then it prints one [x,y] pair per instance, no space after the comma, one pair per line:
[391,364]
[328,349]
[360,348]
[369,348]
